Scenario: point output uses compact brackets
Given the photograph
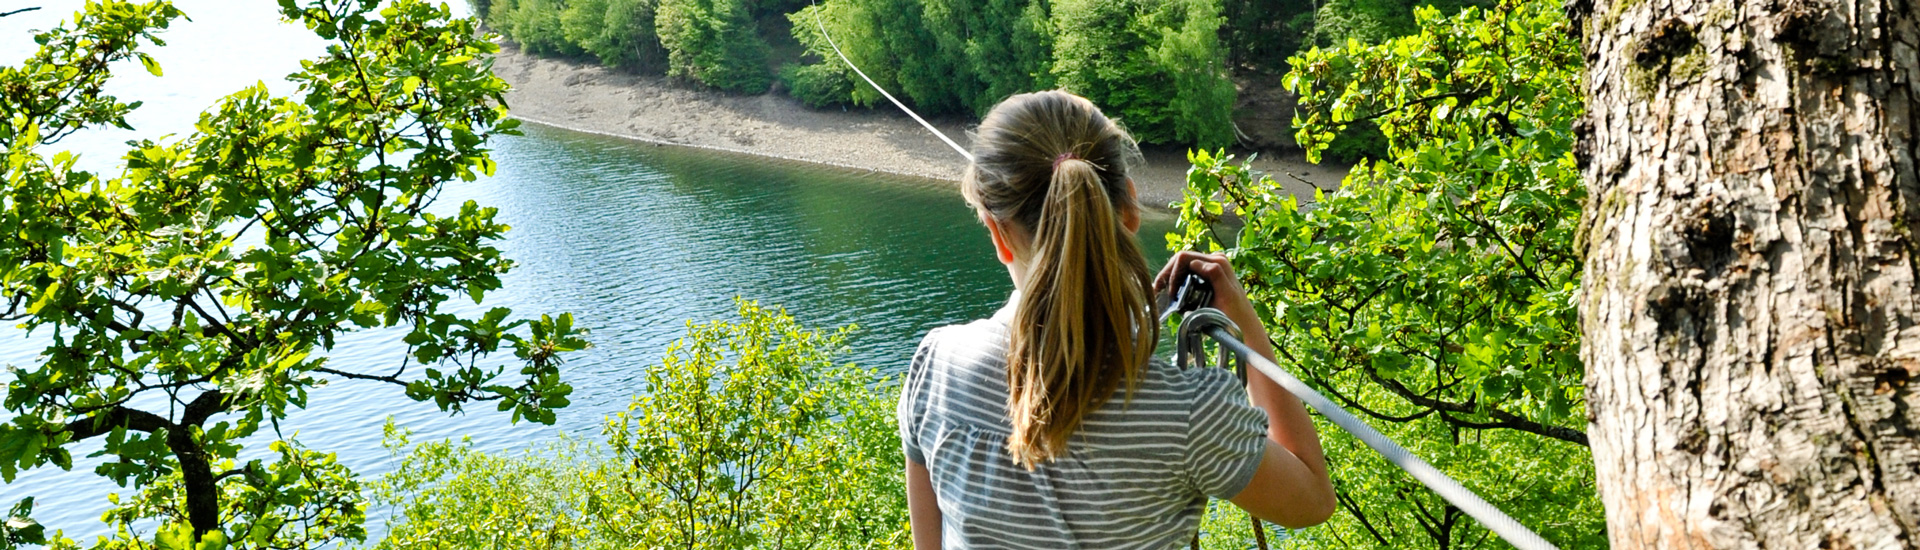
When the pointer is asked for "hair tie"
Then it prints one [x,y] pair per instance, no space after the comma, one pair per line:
[1062,157]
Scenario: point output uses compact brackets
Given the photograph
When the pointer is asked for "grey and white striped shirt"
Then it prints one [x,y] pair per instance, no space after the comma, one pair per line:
[1135,475]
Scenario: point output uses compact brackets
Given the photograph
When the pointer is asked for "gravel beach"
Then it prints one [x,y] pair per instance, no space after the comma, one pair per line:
[586,97]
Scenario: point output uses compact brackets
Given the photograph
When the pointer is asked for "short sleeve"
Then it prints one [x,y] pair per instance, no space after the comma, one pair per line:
[912,400]
[1226,436]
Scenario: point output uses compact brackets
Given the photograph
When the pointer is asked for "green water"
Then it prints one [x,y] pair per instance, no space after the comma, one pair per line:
[637,240]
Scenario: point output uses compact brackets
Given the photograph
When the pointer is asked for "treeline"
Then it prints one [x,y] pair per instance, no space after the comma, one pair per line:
[1166,68]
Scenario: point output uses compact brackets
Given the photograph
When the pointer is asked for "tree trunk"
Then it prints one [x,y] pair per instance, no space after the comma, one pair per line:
[1749,310]
[197,480]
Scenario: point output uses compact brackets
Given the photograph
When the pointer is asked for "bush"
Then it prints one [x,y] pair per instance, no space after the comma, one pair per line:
[827,80]
[1359,142]
[713,42]
[1435,292]
[535,24]
[819,84]
[618,32]
[1188,52]
[481,8]
[1157,66]
[1261,34]
[748,435]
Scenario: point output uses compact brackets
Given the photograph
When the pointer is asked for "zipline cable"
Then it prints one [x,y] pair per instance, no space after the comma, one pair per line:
[1465,499]
[883,91]
[1215,325]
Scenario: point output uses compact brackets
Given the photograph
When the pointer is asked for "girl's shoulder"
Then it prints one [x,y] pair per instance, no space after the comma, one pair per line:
[978,346]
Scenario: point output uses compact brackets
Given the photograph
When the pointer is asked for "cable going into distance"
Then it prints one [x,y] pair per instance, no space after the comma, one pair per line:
[1492,517]
[883,91]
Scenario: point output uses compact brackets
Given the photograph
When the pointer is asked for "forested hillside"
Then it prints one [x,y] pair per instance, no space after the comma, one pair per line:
[1172,70]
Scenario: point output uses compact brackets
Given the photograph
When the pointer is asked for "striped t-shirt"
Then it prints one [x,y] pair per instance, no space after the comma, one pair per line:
[1135,475]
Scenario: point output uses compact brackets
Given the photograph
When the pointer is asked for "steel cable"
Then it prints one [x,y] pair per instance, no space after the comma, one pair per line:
[1499,522]
[1215,325]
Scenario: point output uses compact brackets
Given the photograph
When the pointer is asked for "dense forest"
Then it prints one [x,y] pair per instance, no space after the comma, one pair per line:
[1171,70]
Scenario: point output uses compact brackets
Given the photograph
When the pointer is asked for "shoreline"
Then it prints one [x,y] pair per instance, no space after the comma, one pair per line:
[585,97]
[930,180]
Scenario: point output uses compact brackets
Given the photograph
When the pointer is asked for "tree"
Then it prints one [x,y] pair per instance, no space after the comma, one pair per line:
[747,435]
[890,41]
[713,42]
[619,32]
[1432,293]
[1158,65]
[1261,34]
[996,48]
[822,81]
[171,341]
[1749,313]
[535,24]
[1154,64]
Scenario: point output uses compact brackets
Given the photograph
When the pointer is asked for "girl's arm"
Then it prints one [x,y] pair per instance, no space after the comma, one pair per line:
[1291,487]
[923,511]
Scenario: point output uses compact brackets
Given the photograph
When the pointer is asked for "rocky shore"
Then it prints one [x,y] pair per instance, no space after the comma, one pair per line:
[586,97]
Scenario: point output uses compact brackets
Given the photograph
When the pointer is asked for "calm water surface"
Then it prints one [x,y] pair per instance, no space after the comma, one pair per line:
[634,240]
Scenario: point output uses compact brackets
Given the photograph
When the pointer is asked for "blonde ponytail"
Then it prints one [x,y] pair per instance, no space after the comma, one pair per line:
[1084,327]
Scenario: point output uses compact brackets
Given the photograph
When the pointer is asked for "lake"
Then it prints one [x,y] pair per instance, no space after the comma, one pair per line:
[634,239]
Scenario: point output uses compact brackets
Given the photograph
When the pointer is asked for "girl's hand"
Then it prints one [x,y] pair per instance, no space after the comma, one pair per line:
[1228,296]
[1291,487]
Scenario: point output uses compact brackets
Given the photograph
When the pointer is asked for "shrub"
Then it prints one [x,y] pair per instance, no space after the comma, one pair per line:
[1434,293]
[748,435]
[618,32]
[535,24]
[817,85]
[1155,65]
[1359,142]
[713,42]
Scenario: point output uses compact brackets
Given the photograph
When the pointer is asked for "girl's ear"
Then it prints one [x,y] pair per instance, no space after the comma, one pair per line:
[1000,246]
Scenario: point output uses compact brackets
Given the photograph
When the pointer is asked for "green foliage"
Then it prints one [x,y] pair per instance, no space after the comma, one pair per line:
[171,343]
[1261,34]
[449,496]
[1358,142]
[1546,485]
[1339,22]
[1434,291]
[1155,64]
[304,499]
[817,85]
[1188,53]
[885,38]
[1226,527]
[20,529]
[618,32]
[535,24]
[748,435]
[753,436]
[713,42]
[996,48]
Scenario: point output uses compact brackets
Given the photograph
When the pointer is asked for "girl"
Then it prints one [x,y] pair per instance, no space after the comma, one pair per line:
[1049,425]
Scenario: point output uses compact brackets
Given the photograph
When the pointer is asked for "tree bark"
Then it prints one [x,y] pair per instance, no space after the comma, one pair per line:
[199,484]
[1749,310]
